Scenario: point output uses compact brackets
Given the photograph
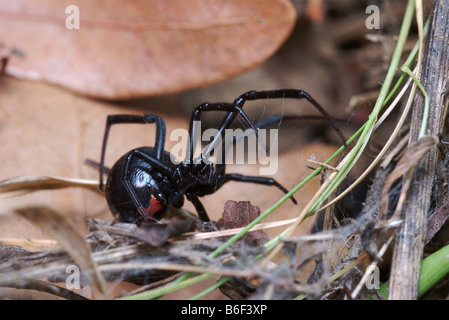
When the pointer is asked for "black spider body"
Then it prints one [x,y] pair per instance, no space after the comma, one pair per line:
[155,190]
[144,182]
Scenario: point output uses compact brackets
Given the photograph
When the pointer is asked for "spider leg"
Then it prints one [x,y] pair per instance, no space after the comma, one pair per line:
[232,110]
[256,179]
[198,206]
[277,94]
[274,119]
[268,94]
[157,163]
[96,165]
[140,208]
[127,118]
[278,118]
[287,93]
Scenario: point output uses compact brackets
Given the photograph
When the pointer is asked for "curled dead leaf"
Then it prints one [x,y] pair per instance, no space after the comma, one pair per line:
[62,230]
[140,48]
[414,153]
[240,214]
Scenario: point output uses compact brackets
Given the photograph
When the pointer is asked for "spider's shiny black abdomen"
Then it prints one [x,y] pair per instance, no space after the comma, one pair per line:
[149,186]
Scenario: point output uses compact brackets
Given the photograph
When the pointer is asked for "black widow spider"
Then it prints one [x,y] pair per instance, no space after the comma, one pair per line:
[144,182]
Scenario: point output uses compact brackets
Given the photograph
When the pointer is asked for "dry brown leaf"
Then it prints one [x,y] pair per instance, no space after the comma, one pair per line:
[408,161]
[127,49]
[61,229]
[240,214]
